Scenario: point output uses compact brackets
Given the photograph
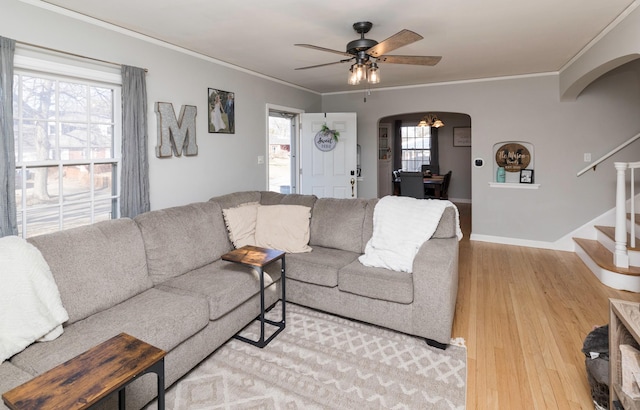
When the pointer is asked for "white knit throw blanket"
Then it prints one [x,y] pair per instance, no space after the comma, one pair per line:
[401,225]
[30,305]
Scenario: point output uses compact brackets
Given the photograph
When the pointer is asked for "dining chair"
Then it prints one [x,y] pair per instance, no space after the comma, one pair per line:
[444,188]
[444,192]
[412,184]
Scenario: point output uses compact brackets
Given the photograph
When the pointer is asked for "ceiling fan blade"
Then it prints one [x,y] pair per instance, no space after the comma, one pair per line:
[416,60]
[323,65]
[311,46]
[400,39]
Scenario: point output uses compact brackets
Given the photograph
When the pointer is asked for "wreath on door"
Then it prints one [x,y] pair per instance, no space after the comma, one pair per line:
[326,139]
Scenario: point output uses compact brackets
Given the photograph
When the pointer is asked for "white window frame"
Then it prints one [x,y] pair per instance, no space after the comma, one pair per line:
[418,169]
[47,66]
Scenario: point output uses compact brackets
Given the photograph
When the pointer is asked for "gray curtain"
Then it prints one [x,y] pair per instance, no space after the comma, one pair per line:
[435,155]
[8,218]
[134,192]
[397,144]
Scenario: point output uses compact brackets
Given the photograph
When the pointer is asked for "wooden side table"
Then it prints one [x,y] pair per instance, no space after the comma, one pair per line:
[624,328]
[257,258]
[91,376]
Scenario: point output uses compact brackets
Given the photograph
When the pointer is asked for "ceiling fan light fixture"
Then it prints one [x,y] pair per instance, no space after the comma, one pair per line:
[373,74]
[367,52]
[353,78]
[361,71]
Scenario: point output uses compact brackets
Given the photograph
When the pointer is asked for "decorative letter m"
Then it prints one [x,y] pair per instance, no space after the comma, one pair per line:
[174,135]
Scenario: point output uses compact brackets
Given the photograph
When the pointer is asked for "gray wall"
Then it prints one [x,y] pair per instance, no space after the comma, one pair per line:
[522,109]
[224,163]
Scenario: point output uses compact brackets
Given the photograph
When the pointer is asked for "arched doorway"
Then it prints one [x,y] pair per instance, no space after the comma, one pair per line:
[452,155]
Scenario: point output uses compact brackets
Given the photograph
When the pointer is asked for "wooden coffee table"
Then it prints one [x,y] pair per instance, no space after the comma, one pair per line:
[91,376]
[257,258]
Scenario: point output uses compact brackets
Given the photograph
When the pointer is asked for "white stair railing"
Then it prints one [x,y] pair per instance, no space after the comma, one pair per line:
[621,255]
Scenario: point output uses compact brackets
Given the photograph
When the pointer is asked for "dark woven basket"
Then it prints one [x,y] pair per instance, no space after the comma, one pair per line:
[599,391]
[597,341]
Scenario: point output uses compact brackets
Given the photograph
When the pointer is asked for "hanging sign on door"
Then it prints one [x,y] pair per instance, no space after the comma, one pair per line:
[326,139]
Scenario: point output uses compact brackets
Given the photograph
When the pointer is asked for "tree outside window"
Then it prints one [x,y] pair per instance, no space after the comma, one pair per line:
[66,152]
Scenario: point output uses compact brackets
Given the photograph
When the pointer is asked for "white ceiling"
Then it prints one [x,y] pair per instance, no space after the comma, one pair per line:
[476,39]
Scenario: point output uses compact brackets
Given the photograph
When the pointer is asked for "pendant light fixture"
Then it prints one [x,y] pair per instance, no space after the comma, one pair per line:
[430,120]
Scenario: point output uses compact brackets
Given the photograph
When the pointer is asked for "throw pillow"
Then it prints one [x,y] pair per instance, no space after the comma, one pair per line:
[241,224]
[283,227]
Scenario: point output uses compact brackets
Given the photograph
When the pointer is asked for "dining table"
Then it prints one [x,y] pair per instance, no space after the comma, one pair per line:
[434,181]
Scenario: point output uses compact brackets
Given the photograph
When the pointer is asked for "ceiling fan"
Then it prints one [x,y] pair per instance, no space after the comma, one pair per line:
[367,53]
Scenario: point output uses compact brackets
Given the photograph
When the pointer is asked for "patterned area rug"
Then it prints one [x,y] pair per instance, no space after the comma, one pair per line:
[322,361]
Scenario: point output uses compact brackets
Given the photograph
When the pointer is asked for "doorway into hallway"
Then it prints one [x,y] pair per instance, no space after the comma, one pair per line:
[282,151]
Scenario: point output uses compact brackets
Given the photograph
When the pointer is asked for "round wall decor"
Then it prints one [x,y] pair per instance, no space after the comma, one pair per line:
[513,157]
[325,141]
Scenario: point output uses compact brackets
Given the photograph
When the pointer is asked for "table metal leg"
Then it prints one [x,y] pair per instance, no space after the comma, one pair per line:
[262,318]
[261,342]
[159,370]
[283,285]
[122,399]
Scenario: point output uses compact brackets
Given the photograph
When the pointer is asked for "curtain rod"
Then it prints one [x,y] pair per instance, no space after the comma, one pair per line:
[72,54]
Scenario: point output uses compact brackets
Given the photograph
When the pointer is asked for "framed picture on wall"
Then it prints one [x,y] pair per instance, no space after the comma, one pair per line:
[526,176]
[221,108]
[461,136]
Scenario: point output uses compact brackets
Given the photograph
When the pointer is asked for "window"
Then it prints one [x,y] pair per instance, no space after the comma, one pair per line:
[67,145]
[416,147]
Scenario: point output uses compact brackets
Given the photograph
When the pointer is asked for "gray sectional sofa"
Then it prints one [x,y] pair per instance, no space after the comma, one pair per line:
[159,277]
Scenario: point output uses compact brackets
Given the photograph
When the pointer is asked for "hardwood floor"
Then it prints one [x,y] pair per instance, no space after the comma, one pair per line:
[524,314]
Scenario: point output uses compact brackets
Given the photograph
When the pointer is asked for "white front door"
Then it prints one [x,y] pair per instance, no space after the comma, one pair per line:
[329,173]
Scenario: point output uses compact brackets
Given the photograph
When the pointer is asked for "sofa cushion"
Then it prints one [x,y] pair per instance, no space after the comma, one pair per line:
[225,285]
[338,223]
[236,198]
[10,377]
[319,267]
[283,227]
[183,238]
[160,318]
[275,198]
[96,266]
[241,224]
[376,283]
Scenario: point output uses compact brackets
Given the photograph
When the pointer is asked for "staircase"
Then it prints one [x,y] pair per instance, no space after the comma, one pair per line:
[614,257]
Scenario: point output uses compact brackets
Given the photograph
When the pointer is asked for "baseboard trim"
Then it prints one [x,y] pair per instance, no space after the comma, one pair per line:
[461,200]
[556,246]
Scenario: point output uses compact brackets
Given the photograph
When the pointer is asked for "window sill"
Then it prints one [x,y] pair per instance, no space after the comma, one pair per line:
[513,185]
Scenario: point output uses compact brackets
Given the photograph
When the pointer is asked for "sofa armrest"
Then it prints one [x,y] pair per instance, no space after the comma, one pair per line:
[435,282]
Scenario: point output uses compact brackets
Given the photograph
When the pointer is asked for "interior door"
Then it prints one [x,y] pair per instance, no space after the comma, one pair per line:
[329,173]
